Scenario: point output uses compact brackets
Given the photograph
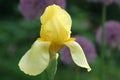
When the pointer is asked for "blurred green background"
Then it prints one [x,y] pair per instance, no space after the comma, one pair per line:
[17,35]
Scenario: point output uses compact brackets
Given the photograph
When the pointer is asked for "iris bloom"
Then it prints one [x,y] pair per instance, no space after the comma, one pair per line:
[55,33]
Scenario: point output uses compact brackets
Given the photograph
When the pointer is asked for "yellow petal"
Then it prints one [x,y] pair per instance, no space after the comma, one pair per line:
[56,24]
[36,59]
[77,54]
[57,55]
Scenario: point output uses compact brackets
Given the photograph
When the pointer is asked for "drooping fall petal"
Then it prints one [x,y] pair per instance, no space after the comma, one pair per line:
[77,54]
[36,59]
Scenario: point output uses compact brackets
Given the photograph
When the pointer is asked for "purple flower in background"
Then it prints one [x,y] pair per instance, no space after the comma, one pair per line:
[107,2]
[117,2]
[87,47]
[32,9]
[66,56]
[112,34]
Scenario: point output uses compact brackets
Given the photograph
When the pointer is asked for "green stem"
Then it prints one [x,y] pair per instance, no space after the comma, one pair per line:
[77,73]
[103,42]
[52,68]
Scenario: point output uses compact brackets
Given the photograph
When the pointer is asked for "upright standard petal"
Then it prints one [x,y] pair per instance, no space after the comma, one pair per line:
[77,54]
[56,24]
[36,59]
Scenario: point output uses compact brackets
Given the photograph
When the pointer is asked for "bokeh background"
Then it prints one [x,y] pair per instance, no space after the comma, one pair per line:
[19,28]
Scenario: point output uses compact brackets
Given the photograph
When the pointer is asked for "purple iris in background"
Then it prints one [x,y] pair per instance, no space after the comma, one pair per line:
[86,45]
[32,9]
[112,34]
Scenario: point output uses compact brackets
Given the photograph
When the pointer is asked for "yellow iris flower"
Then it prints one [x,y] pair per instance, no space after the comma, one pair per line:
[55,33]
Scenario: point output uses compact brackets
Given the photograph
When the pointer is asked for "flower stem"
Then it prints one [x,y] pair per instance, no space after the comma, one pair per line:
[52,68]
[77,73]
[103,42]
